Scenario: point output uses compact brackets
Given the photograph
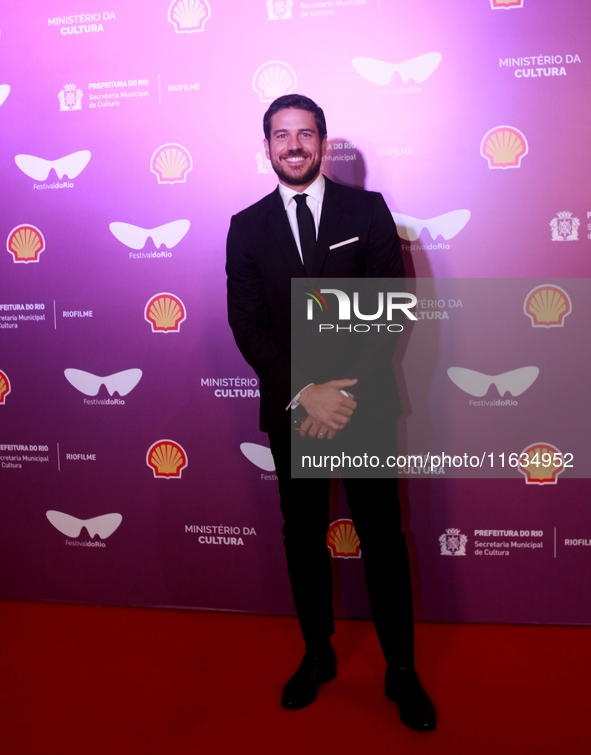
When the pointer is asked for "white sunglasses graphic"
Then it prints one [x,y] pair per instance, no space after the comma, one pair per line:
[135,237]
[122,382]
[103,525]
[380,72]
[39,168]
[447,225]
[4,92]
[477,383]
[260,456]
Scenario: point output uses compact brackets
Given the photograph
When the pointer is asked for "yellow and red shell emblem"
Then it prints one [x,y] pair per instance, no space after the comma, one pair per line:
[171,163]
[25,243]
[543,464]
[4,386]
[504,147]
[165,313]
[343,540]
[506,4]
[166,458]
[547,306]
[189,16]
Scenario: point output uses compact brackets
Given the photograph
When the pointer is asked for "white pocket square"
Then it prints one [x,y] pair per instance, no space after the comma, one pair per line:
[343,243]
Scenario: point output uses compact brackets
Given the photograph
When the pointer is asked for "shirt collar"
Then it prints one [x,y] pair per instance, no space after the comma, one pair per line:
[315,190]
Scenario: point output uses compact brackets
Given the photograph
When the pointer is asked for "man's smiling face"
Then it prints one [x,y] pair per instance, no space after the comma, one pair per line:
[294,147]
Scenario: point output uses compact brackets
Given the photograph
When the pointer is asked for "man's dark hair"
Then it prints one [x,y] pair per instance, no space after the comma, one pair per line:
[299,102]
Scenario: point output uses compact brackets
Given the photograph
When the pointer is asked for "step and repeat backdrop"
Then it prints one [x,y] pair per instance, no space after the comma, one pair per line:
[132,471]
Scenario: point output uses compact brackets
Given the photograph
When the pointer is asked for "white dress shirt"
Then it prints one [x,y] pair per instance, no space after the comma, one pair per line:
[315,196]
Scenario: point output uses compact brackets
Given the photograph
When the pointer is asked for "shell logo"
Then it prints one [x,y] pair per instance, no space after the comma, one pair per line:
[188,16]
[547,306]
[4,387]
[545,463]
[504,147]
[506,4]
[171,163]
[25,243]
[274,79]
[165,313]
[342,539]
[166,458]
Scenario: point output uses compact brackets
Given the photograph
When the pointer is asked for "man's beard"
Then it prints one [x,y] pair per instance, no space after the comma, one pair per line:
[292,180]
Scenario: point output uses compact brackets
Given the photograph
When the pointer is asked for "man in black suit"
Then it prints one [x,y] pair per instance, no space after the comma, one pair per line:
[312,227]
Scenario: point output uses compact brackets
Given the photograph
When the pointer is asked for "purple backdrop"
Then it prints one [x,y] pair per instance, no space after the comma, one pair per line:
[130,135]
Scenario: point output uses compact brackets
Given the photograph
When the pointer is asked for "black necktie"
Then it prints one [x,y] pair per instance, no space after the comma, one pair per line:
[307,230]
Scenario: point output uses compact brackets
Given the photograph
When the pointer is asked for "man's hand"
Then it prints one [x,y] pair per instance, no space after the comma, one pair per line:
[316,430]
[328,409]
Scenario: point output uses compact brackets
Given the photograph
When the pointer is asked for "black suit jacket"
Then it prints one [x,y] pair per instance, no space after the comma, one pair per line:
[262,258]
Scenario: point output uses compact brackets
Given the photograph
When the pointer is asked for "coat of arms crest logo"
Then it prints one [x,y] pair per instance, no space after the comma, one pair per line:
[70,98]
[453,543]
[565,227]
[263,163]
[279,10]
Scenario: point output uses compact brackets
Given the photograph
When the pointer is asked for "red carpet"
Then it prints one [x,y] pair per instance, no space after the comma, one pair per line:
[84,680]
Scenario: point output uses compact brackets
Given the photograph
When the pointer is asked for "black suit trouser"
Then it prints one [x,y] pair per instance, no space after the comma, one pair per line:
[375,510]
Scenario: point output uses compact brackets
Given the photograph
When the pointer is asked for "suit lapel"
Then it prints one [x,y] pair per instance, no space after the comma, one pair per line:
[329,220]
[277,218]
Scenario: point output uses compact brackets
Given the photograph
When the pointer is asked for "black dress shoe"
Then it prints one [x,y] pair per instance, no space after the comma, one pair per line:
[416,709]
[302,688]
